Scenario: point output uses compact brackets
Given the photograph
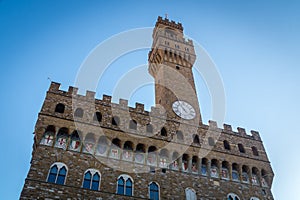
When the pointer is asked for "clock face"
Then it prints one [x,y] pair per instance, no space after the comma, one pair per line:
[184,110]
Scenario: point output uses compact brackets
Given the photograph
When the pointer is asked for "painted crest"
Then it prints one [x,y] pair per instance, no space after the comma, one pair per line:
[185,166]
[61,143]
[194,168]
[204,170]
[101,149]
[127,155]
[151,159]
[139,158]
[47,139]
[114,153]
[174,165]
[163,162]
[214,172]
[225,173]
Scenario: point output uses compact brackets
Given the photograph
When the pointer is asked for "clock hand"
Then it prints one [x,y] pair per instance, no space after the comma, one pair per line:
[182,106]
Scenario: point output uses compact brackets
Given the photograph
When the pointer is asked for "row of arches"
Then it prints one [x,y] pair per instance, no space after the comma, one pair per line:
[115,121]
[240,146]
[78,113]
[176,56]
[152,156]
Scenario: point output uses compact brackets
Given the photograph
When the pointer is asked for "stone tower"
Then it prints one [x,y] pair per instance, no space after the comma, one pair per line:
[97,149]
[170,63]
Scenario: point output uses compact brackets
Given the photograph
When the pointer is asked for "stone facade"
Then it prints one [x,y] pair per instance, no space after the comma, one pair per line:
[147,146]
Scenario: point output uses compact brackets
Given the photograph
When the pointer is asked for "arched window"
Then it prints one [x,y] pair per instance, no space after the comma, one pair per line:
[226,145]
[163,132]
[128,188]
[211,141]
[196,140]
[128,151]
[116,142]
[204,164]
[128,145]
[245,174]
[75,142]
[232,196]
[140,153]
[89,143]
[48,136]
[214,168]
[255,178]
[190,194]
[125,185]
[62,138]
[254,151]
[195,164]
[164,158]
[179,135]
[149,128]
[241,148]
[91,179]
[224,172]
[175,162]
[151,158]
[87,180]
[115,148]
[60,108]
[57,173]
[97,116]
[140,148]
[235,172]
[115,121]
[254,198]
[264,178]
[96,181]
[153,191]
[185,163]
[132,124]
[120,189]
[78,113]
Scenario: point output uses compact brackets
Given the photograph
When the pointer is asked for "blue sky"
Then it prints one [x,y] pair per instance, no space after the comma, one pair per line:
[254,44]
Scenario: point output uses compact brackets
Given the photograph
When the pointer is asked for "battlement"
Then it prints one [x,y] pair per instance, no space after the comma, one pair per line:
[169,23]
[140,108]
[162,23]
[228,129]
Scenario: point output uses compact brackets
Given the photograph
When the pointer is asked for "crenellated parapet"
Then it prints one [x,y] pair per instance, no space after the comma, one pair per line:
[140,108]
[169,23]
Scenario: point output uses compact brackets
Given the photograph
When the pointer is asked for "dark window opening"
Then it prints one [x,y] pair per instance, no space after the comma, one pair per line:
[60,108]
[196,139]
[116,142]
[163,132]
[255,151]
[241,148]
[115,121]
[98,117]
[226,145]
